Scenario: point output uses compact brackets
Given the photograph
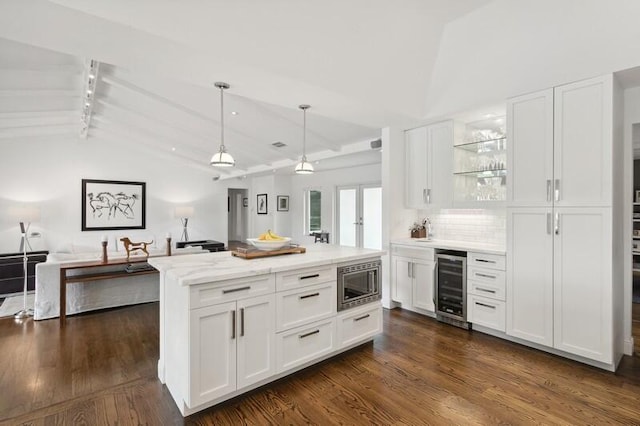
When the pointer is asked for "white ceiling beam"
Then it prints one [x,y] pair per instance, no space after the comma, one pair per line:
[256,151]
[126,134]
[42,68]
[9,120]
[38,93]
[352,148]
[48,130]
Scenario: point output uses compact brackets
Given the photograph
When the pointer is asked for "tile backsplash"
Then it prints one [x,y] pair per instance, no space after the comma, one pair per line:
[486,226]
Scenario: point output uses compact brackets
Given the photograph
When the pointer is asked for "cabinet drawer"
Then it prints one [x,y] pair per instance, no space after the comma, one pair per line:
[486,282]
[492,261]
[304,344]
[486,312]
[300,306]
[359,324]
[224,291]
[424,253]
[304,277]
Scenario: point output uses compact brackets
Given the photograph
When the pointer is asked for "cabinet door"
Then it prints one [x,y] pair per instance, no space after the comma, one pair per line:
[423,285]
[213,352]
[256,339]
[583,142]
[440,173]
[530,274]
[583,283]
[416,167]
[402,280]
[530,150]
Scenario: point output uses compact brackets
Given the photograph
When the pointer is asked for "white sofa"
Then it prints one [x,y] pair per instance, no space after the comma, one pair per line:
[89,296]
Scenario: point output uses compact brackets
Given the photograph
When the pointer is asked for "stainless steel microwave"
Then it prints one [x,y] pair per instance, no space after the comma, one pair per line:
[358,283]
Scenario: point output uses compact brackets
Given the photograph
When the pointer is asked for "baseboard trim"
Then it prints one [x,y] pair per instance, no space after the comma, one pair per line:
[628,346]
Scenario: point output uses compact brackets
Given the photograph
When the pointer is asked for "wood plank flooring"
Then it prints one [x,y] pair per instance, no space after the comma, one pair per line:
[100,370]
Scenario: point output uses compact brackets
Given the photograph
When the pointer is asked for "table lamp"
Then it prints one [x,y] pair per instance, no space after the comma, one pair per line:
[184,213]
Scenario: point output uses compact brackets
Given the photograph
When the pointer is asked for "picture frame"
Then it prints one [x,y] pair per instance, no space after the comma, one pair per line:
[637,197]
[245,202]
[262,204]
[283,203]
[113,205]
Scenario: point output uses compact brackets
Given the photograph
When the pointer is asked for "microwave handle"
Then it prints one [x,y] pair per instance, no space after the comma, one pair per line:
[435,282]
[373,279]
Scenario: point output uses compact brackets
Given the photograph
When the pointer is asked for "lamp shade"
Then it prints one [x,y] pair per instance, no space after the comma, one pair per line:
[304,168]
[222,159]
[183,212]
[25,213]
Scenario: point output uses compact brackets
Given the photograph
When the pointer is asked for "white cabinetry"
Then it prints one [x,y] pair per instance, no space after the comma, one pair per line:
[413,273]
[232,346]
[559,218]
[429,161]
[486,290]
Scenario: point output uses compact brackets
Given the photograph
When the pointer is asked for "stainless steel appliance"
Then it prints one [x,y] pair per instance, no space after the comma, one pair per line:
[451,287]
[358,283]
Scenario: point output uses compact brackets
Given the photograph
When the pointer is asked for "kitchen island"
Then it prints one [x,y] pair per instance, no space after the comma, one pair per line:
[229,325]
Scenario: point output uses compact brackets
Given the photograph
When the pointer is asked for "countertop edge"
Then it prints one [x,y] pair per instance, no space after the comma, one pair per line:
[451,245]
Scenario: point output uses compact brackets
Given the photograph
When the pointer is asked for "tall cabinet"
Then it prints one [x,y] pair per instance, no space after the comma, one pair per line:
[429,171]
[560,244]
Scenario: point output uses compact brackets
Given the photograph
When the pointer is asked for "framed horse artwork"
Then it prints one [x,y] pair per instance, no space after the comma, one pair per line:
[113,204]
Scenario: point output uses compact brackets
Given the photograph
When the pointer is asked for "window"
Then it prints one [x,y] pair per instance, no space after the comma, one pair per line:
[313,211]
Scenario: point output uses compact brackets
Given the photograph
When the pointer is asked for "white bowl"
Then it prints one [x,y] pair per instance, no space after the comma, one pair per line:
[269,244]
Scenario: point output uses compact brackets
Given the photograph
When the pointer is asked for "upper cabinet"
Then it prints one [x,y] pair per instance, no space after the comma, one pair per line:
[429,166]
[480,162]
[561,146]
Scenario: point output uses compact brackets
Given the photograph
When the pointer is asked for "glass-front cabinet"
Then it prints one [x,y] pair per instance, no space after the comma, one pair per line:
[480,161]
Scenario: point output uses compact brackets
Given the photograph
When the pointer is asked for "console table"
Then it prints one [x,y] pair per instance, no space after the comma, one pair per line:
[117,271]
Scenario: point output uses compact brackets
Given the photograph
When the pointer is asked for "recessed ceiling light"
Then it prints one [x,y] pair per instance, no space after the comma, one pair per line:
[234,113]
[317,162]
[173,148]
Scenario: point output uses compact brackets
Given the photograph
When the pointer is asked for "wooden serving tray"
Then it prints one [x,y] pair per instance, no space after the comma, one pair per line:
[253,253]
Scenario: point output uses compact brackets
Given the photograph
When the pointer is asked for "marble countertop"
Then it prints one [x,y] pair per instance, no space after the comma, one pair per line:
[193,269]
[452,245]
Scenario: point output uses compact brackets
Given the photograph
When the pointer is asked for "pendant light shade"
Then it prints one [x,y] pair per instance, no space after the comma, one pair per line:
[304,167]
[222,158]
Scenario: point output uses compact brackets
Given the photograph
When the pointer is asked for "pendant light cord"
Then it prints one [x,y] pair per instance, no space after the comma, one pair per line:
[222,147]
[304,135]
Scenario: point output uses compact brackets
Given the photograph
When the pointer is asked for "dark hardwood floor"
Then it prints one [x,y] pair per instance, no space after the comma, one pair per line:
[635,325]
[101,370]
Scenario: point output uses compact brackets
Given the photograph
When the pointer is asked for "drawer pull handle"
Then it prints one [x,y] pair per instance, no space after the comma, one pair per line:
[485,290]
[306,277]
[306,296]
[233,290]
[493,277]
[362,317]
[485,305]
[241,322]
[311,333]
[485,261]
[233,324]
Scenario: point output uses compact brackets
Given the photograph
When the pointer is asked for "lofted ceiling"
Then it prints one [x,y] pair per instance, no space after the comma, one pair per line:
[362,65]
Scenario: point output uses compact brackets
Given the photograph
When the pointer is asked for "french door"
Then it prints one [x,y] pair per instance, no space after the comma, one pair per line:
[359,216]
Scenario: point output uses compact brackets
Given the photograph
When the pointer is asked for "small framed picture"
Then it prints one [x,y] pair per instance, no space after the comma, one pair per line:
[637,196]
[262,204]
[283,203]
[245,202]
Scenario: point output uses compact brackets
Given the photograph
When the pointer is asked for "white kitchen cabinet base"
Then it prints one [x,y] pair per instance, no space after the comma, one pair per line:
[187,411]
[604,366]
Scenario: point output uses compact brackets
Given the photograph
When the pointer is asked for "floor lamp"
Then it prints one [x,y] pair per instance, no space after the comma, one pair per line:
[184,213]
[28,215]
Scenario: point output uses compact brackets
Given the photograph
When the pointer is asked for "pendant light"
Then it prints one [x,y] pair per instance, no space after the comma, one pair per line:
[222,158]
[304,167]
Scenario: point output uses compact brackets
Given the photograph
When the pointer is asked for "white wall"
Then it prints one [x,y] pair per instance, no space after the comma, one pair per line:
[48,174]
[512,47]
[238,215]
[326,182]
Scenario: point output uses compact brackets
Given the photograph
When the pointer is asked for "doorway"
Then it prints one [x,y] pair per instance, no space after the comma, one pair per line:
[238,217]
[359,216]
